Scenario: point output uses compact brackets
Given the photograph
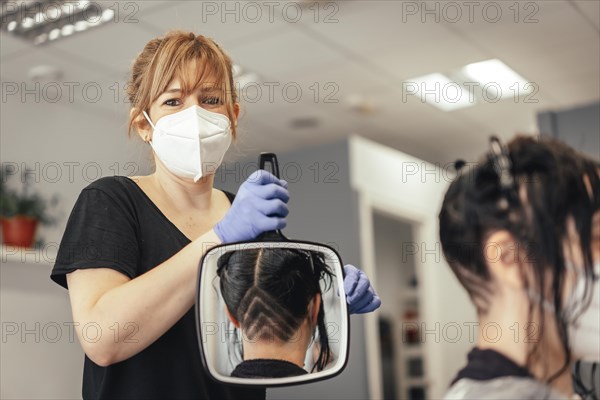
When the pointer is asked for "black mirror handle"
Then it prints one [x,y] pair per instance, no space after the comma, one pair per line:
[263,159]
[270,158]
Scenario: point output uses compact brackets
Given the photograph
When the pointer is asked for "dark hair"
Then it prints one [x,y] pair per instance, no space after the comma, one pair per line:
[268,290]
[530,189]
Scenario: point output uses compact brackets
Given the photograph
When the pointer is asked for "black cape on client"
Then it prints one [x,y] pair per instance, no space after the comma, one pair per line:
[263,368]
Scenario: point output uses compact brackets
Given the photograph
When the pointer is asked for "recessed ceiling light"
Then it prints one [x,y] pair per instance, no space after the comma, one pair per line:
[39,18]
[67,30]
[304,123]
[439,91]
[495,75]
[11,26]
[27,22]
[54,34]
[107,15]
[81,26]
[52,13]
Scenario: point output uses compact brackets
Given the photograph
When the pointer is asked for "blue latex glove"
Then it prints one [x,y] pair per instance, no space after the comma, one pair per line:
[360,295]
[260,205]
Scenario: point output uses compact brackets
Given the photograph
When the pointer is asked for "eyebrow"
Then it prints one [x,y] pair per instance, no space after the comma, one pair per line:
[205,89]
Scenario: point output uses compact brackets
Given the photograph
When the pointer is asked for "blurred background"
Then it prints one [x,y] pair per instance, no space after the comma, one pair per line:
[366,103]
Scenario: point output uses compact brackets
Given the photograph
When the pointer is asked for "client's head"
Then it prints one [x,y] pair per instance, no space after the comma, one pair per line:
[519,230]
[274,296]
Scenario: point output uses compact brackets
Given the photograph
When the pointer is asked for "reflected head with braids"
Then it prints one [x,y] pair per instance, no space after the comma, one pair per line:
[273,295]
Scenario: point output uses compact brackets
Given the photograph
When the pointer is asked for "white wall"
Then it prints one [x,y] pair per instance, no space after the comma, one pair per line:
[83,141]
[69,145]
[41,357]
[413,190]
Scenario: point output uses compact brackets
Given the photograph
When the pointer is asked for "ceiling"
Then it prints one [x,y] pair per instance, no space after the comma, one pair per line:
[338,51]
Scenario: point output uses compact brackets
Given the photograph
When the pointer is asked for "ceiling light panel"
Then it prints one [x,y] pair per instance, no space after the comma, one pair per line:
[43,21]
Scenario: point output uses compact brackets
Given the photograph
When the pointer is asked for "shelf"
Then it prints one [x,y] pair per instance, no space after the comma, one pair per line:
[415,381]
[411,351]
[44,256]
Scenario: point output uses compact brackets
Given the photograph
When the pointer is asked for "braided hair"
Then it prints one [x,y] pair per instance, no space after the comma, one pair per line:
[531,188]
[268,290]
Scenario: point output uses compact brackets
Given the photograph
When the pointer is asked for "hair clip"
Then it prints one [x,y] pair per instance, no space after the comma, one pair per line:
[501,162]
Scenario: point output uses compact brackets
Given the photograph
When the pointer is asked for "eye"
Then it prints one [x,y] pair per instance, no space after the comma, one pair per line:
[172,102]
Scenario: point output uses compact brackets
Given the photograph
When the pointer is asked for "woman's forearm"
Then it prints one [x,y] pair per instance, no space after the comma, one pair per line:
[130,316]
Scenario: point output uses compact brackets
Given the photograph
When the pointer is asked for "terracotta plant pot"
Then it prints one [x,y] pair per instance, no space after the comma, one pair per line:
[19,231]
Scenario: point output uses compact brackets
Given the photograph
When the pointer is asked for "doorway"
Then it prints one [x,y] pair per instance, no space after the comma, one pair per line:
[402,355]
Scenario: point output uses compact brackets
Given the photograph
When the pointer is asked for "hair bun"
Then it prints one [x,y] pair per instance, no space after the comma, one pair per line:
[459,164]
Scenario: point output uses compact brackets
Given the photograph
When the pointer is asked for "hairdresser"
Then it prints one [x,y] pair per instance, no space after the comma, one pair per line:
[130,252]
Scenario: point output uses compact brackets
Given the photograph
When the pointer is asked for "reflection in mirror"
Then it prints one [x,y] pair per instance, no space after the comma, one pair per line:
[274,297]
[272,312]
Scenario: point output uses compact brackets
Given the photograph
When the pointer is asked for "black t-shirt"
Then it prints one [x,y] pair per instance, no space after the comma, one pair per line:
[114,224]
[486,364]
[267,368]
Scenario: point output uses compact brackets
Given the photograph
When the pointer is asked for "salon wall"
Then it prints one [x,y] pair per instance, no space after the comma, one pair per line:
[82,145]
[323,208]
[40,357]
[411,189]
[579,127]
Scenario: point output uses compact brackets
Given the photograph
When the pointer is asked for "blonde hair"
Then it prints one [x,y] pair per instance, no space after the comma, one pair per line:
[166,58]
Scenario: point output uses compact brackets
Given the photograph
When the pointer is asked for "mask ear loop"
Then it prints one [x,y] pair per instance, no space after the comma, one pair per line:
[579,387]
[148,119]
[150,122]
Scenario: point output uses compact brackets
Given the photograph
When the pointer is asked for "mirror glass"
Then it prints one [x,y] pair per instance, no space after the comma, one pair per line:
[272,313]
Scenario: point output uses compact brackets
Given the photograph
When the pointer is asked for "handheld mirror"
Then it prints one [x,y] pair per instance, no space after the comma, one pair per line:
[272,312]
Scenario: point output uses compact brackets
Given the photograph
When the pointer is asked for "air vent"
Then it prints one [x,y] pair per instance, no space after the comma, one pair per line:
[305,122]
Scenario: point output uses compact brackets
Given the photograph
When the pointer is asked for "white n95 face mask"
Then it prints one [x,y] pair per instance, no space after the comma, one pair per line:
[584,325]
[192,142]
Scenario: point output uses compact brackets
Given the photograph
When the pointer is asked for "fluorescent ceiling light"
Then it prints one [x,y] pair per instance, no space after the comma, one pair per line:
[439,91]
[107,15]
[41,21]
[54,34]
[494,75]
[81,26]
[39,18]
[27,22]
[67,30]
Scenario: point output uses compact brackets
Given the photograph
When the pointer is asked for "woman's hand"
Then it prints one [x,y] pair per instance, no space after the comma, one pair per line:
[360,295]
[259,206]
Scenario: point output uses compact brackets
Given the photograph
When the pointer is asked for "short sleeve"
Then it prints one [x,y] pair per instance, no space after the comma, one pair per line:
[100,233]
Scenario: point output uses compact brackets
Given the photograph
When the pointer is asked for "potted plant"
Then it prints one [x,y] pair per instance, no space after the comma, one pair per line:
[21,212]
